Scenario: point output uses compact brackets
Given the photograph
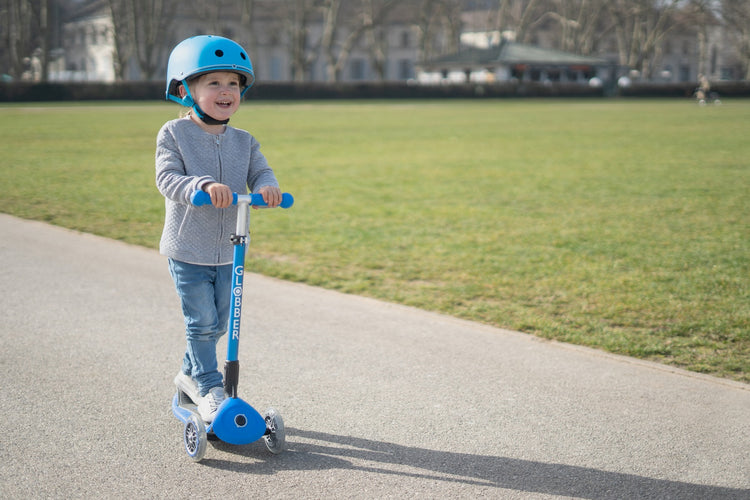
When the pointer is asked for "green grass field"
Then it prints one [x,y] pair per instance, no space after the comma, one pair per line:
[617,224]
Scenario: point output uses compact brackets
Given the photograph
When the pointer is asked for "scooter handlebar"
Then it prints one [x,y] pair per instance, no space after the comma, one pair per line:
[200,198]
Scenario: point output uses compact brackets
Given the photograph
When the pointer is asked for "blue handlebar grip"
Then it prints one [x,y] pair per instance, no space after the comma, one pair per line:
[287,200]
[200,198]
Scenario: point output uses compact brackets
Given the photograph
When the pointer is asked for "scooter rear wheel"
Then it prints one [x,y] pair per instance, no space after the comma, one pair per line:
[275,437]
[194,436]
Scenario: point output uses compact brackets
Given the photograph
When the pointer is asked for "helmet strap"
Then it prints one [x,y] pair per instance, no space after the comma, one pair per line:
[206,118]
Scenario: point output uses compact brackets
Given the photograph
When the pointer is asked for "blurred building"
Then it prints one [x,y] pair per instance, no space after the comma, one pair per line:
[511,61]
[394,51]
[87,47]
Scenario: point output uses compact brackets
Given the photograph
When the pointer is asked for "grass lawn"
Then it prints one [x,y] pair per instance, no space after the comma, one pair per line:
[618,224]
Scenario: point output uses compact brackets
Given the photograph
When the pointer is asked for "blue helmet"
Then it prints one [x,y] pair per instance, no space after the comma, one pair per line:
[204,54]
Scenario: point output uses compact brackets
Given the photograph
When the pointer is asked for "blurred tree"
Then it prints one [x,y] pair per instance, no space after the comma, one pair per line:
[153,22]
[699,14]
[26,28]
[302,48]
[581,24]
[336,52]
[735,15]
[124,42]
[640,25]
[517,17]
[439,27]
[142,29]
[247,15]
[374,14]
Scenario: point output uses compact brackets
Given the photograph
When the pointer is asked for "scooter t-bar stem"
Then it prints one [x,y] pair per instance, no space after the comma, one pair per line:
[239,240]
[201,198]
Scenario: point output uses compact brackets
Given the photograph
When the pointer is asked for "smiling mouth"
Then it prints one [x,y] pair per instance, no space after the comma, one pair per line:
[224,104]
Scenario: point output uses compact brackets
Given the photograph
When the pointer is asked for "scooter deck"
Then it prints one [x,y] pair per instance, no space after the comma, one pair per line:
[183,406]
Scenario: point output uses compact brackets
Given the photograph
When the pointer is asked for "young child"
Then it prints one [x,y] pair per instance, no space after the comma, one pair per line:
[209,75]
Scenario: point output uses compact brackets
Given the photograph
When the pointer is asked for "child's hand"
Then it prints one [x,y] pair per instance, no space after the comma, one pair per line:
[271,195]
[221,194]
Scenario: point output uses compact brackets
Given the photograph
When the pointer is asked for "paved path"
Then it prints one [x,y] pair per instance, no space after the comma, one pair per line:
[379,400]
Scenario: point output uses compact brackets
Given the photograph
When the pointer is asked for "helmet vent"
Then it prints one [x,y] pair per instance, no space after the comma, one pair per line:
[243,56]
[219,53]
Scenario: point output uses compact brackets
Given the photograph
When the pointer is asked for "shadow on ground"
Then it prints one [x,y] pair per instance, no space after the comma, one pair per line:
[312,450]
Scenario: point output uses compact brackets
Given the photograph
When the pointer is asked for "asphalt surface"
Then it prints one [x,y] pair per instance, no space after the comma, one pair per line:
[379,400]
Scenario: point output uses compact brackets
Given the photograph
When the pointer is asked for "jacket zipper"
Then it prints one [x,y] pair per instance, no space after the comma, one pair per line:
[220,215]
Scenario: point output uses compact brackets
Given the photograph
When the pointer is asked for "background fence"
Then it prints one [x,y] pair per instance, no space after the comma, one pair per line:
[146,91]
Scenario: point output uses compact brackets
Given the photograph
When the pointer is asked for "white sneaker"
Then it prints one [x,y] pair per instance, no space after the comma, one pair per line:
[210,404]
[186,384]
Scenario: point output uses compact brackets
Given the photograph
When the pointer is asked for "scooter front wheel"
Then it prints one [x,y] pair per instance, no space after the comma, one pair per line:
[275,436]
[194,435]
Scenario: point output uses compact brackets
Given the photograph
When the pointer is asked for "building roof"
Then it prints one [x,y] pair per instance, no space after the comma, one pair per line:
[511,53]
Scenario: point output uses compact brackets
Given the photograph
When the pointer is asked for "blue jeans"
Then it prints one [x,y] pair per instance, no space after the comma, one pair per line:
[204,292]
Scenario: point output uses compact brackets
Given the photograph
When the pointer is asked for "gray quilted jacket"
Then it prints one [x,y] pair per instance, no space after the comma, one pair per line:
[187,158]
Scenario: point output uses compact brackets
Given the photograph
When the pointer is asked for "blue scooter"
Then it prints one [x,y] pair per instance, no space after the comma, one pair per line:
[236,422]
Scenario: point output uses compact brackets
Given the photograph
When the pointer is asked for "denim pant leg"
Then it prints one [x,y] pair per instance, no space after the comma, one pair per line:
[204,292]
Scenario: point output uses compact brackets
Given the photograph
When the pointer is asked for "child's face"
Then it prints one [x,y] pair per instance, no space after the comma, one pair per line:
[217,93]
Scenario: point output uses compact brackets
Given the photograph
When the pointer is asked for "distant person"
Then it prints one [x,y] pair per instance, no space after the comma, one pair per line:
[704,89]
[704,84]
[200,151]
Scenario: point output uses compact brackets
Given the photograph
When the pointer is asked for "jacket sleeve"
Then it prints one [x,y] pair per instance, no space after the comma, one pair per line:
[172,179]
